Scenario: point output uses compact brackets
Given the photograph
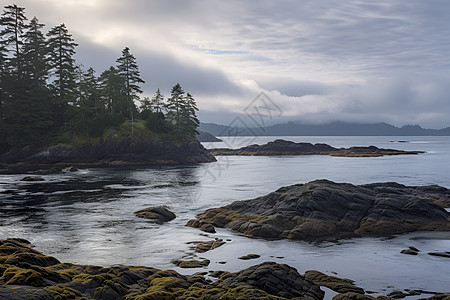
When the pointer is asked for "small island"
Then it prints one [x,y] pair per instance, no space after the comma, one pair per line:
[324,210]
[282,147]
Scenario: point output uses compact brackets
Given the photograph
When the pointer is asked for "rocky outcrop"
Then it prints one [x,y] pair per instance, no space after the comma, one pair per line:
[276,279]
[204,137]
[340,285]
[112,150]
[158,214]
[27,274]
[282,147]
[322,209]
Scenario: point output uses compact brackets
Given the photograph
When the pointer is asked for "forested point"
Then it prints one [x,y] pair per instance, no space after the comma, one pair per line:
[46,97]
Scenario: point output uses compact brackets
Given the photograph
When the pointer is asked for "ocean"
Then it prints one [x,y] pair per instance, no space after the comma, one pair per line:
[87,217]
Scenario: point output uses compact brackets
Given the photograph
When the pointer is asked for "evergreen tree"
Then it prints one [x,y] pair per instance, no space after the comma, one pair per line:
[90,93]
[189,118]
[113,91]
[3,76]
[61,50]
[129,71]
[34,54]
[157,103]
[13,23]
[175,104]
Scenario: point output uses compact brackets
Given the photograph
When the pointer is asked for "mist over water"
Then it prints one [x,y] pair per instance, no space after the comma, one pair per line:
[87,217]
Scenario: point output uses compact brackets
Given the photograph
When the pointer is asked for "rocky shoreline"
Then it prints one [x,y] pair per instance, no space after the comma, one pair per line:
[282,147]
[325,210]
[111,151]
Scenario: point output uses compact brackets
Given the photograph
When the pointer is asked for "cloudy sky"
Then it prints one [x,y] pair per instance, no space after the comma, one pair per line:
[318,61]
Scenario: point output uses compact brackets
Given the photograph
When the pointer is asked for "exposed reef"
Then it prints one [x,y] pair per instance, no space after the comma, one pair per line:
[324,210]
[282,147]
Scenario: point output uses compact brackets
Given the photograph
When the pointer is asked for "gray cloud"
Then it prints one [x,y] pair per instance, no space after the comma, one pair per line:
[321,60]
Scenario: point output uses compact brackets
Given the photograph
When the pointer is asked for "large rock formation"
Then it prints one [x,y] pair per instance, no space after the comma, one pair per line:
[112,150]
[282,147]
[322,209]
[27,274]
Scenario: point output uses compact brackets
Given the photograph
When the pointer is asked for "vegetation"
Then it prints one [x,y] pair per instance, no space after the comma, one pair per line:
[46,97]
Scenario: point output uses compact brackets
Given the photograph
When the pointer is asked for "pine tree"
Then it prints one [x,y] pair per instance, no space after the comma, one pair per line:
[189,118]
[113,91]
[157,103]
[175,104]
[13,22]
[61,50]
[34,54]
[90,93]
[129,71]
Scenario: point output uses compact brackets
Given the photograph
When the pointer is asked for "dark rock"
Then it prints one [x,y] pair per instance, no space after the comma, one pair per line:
[409,251]
[414,248]
[206,246]
[340,285]
[159,214]
[276,279]
[203,137]
[250,256]
[191,263]
[32,178]
[70,169]
[322,209]
[397,294]
[441,254]
[282,147]
[113,150]
[207,228]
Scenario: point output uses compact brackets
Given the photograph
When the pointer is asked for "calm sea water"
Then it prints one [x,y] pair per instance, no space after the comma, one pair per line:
[87,217]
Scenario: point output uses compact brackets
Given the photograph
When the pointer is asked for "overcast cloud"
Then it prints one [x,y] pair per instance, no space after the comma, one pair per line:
[319,61]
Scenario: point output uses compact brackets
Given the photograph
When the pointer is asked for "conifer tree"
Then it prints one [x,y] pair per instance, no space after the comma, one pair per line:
[61,50]
[129,71]
[175,104]
[113,91]
[35,55]
[13,23]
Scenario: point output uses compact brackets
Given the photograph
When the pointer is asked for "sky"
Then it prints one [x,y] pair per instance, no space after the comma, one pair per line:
[313,61]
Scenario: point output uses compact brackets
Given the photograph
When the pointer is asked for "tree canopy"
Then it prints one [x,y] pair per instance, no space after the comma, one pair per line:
[47,97]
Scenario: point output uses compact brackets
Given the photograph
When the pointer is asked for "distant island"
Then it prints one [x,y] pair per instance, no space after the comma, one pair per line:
[282,147]
[331,129]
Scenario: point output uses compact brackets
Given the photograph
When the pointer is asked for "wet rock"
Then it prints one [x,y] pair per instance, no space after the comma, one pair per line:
[70,169]
[191,263]
[33,178]
[159,214]
[340,285]
[322,209]
[441,254]
[409,251]
[207,228]
[282,147]
[217,274]
[250,256]
[414,249]
[276,279]
[397,294]
[356,296]
[206,246]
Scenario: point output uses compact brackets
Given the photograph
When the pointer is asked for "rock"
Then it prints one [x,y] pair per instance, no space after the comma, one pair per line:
[356,296]
[33,178]
[275,279]
[70,169]
[113,149]
[409,251]
[159,214]
[322,209]
[441,254]
[282,147]
[340,285]
[191,263]
[414,249]
[217,274]
[207,228]
[250,256]
[206,246]
[203,137]
[397,294]
[23,280]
